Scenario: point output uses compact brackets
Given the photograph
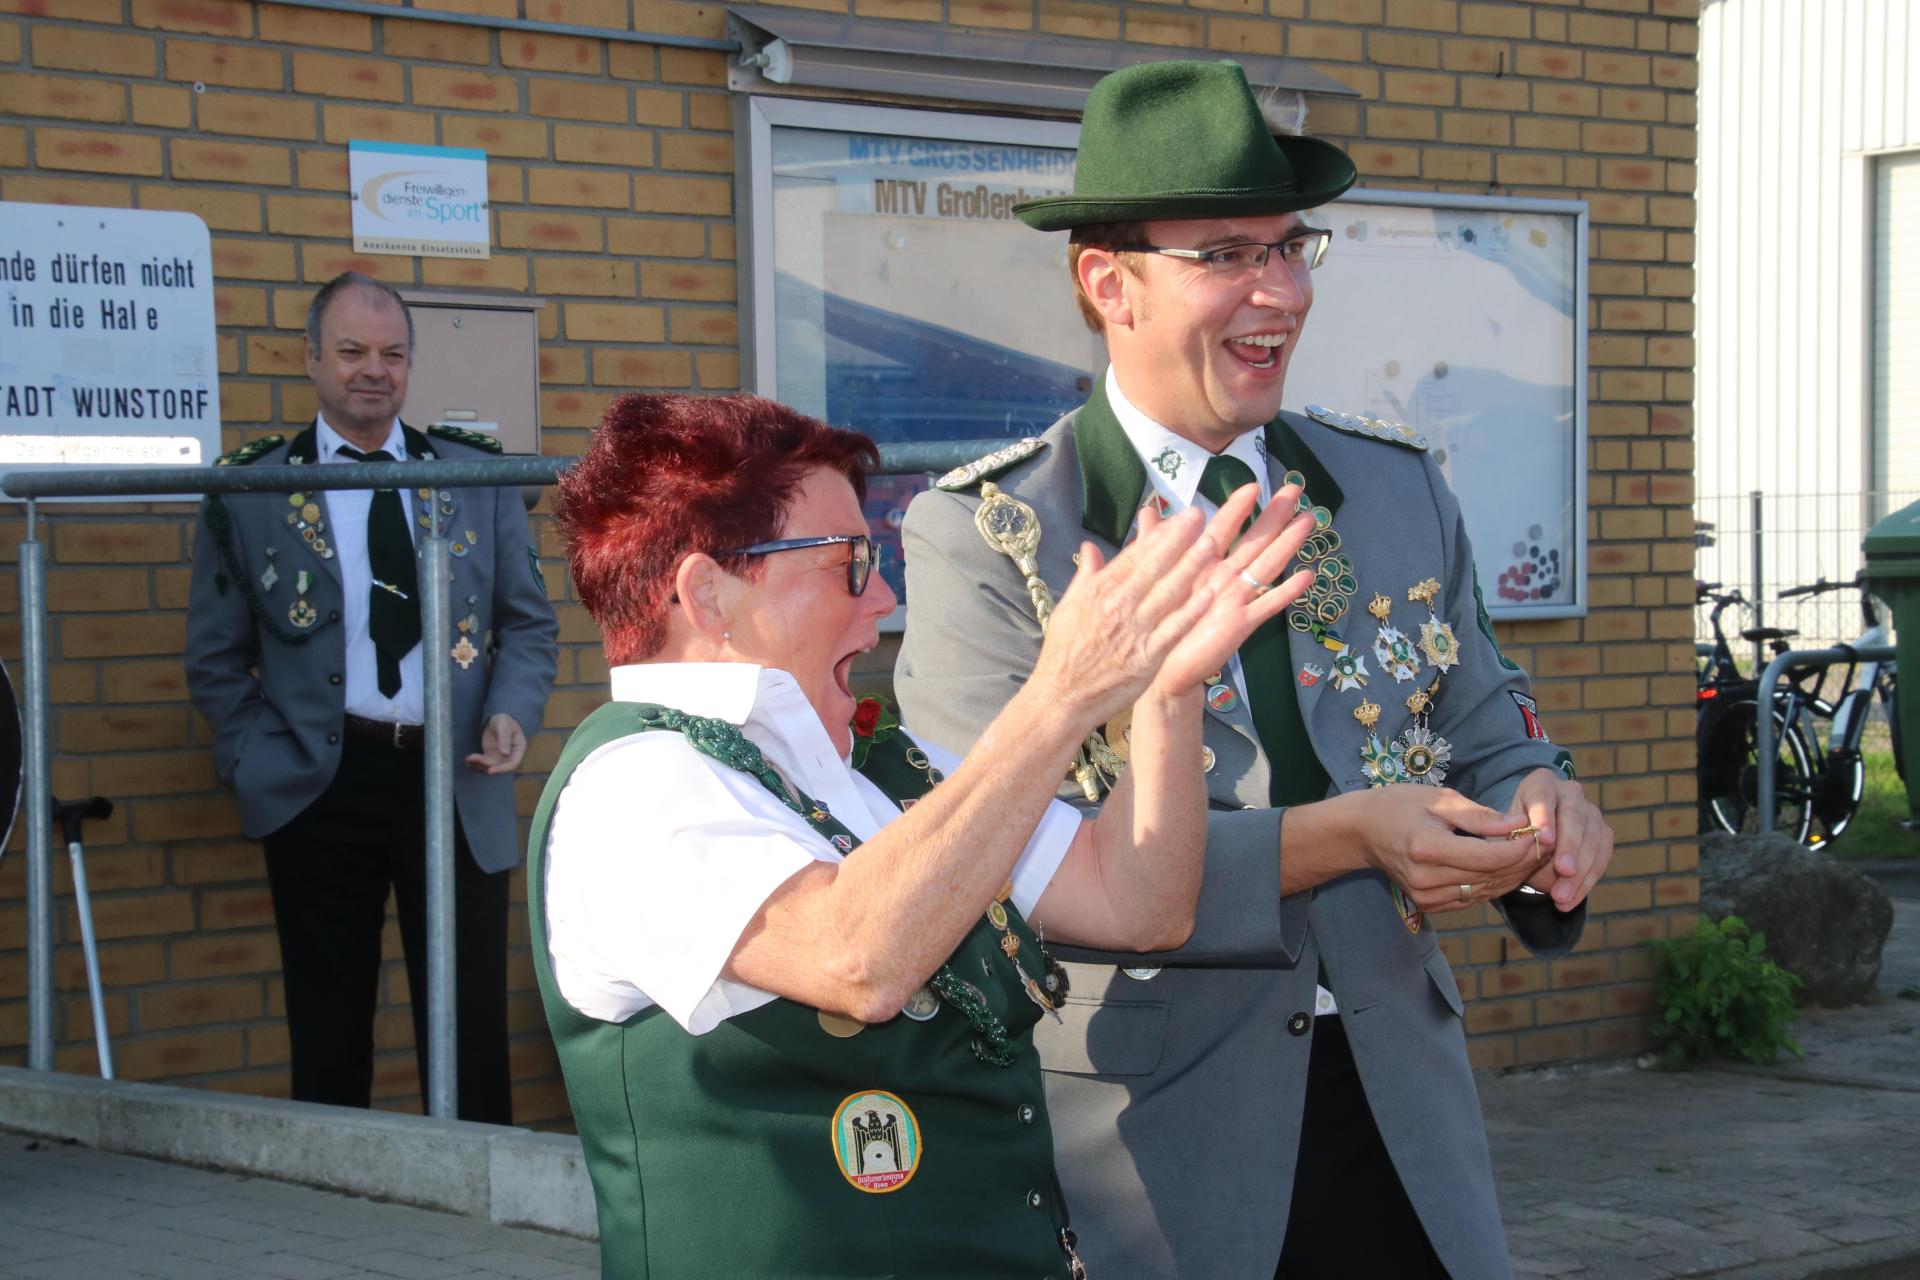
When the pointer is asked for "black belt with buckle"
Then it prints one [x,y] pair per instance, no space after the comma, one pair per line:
[388,733]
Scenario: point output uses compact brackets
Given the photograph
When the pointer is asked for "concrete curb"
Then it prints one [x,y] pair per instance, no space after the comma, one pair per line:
[508,1176]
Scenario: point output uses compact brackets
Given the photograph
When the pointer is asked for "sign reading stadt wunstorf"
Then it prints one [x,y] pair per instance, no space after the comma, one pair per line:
[107,348]
[422,201]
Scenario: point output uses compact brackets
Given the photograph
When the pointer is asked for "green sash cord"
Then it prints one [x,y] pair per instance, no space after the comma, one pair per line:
[724,742]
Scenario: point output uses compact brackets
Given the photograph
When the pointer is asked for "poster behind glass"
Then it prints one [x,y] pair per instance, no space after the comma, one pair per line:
[912,305]
[1464,322]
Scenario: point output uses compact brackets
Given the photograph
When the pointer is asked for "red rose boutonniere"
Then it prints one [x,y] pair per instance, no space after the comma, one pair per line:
[872,722]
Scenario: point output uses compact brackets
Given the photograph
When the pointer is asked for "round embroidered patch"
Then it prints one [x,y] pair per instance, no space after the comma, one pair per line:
[876,1141]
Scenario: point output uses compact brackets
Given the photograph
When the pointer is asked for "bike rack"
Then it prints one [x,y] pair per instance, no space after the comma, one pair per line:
[1763,737]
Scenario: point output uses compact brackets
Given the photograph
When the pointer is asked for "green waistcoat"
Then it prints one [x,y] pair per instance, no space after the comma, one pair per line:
[736,1153]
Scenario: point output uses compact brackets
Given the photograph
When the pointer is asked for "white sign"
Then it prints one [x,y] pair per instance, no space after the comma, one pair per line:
[107,345]
[426,202]
[1464,317]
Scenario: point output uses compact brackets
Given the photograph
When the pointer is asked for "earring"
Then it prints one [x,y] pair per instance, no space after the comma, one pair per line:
[726,635]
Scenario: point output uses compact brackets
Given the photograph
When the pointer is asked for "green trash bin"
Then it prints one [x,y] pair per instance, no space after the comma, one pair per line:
[1893,574]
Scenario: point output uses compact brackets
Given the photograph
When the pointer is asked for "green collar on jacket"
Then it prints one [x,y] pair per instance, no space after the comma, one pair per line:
[1113,480]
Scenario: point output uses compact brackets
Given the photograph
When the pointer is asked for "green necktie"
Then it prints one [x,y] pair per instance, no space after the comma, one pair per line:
[1266,667]
[393,600]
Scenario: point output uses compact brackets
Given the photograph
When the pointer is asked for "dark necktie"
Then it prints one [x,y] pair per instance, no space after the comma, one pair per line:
[1266,667]
[393,600]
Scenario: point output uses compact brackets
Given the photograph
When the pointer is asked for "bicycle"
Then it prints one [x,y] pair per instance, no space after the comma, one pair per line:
[1820,777]
[1728,758]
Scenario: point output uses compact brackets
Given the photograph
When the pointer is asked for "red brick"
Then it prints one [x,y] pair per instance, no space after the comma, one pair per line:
[465,90]
[202,17]
[197,159]
[223,955]
[88,151]
[97,52]
[284,24]
[219,62]
[435,41]
[361,79]
[200,1004]
[570,54]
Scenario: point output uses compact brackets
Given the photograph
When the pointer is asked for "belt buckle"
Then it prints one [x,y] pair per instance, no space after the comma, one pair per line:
[397,727]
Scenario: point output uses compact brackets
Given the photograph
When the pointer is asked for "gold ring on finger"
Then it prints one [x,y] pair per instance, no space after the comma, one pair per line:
[1466,893]
[1259,588]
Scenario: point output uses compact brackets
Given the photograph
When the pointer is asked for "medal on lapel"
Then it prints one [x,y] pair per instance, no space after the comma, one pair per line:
[300,613]
[304,516]
[1394,652]
[1349,669]
[269,575]
[1382,766]
[1424,755]
[1437,642]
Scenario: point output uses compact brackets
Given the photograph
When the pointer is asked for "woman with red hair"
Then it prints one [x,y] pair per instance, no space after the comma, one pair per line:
[789,970]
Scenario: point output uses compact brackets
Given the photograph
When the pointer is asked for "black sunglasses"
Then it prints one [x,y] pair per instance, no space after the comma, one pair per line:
[860,563]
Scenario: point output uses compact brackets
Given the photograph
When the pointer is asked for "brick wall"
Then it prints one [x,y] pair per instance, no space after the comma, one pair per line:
[610,168]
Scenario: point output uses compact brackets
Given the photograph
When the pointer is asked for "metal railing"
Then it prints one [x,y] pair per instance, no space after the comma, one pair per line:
[119,482]
[1765,739]
[1766,542]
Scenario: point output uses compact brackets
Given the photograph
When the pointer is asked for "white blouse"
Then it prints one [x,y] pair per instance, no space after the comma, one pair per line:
[658,857]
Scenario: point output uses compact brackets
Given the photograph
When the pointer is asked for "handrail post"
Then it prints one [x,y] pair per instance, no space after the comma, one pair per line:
[1766,740]
[1756,506]
[36,793]
[442,1082]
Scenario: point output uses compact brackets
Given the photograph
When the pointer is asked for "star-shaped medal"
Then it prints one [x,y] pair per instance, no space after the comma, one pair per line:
[1424,755]
[1349,669]
[1381,765]
[1394,652]
[1437,642]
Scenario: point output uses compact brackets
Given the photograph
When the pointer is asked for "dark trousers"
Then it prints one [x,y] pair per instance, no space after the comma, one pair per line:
[1350,1215]
[329,870]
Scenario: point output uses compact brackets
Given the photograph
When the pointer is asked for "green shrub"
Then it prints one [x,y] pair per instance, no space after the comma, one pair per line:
[1720,997]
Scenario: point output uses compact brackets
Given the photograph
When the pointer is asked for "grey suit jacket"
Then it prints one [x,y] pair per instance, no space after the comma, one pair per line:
[275,693]
[1176,1097]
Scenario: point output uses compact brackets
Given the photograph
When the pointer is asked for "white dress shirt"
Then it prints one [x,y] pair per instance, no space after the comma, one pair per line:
[1174,464]
[658,857]
[347,520]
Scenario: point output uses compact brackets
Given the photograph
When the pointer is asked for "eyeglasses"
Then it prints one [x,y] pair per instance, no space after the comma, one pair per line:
[861,562]
[1241,263]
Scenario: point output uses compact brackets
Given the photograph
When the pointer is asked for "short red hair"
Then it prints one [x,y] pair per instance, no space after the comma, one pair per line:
[667,475]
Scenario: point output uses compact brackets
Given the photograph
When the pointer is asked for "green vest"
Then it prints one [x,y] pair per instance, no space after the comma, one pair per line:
[769,1147]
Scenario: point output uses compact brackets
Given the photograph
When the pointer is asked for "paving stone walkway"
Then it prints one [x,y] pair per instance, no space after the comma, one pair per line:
[1608,1173]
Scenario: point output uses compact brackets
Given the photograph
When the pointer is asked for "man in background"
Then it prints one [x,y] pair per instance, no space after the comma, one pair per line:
[305,654]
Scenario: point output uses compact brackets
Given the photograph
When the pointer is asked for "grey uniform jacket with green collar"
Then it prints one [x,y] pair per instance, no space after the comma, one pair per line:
[1177,1081]
[275,693]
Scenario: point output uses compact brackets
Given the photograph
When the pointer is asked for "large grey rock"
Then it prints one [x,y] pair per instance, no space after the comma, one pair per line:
[1824,921]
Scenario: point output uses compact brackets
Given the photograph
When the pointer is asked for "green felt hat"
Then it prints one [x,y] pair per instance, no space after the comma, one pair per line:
[1186,140]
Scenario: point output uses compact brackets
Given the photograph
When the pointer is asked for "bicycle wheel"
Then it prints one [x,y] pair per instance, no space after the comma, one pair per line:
[1836,798]
[1729,775]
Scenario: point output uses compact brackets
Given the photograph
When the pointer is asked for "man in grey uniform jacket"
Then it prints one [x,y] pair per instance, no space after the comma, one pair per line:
[305,654]
[1291,1088]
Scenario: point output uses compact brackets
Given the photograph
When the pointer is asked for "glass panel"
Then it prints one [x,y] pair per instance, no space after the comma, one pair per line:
[911,304]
